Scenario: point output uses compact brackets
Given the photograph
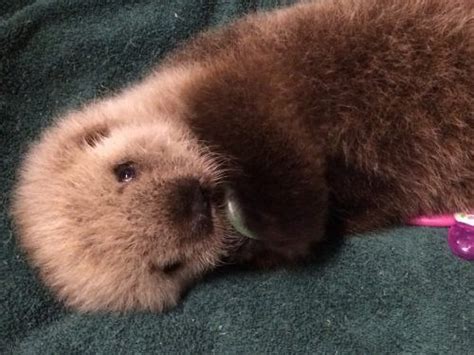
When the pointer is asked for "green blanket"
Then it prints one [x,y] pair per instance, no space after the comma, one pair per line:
[394,291]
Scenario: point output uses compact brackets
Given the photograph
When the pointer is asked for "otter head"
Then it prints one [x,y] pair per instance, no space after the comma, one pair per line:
[119,207]
[120,214]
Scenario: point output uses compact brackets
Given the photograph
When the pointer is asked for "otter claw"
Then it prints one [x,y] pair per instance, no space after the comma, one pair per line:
[235,216]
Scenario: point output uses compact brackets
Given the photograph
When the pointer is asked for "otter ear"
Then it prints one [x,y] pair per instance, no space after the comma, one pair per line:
[93,135]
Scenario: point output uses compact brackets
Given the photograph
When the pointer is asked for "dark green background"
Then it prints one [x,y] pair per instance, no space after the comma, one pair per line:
[395,291]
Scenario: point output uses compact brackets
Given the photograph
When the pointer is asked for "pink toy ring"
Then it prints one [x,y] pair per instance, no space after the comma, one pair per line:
[461,236]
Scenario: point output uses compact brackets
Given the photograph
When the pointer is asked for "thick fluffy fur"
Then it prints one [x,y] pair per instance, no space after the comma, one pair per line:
[361,109]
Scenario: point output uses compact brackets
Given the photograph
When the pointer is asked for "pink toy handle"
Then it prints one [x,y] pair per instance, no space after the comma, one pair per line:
[442,220]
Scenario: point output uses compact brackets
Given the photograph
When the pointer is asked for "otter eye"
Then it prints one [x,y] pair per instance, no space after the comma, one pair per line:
[125,172]
[171,268]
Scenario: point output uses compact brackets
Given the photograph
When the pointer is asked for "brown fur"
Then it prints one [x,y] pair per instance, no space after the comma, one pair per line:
[359,109]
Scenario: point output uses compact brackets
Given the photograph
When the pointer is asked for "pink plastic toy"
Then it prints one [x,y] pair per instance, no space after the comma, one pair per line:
[460,234]
[442,220]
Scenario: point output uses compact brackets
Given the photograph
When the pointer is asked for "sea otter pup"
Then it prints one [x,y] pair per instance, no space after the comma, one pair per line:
[240,145]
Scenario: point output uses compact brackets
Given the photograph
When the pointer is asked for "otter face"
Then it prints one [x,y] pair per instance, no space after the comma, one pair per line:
[120,215]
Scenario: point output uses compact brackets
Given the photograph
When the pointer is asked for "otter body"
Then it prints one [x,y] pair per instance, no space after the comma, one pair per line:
[376,99]
[363,110]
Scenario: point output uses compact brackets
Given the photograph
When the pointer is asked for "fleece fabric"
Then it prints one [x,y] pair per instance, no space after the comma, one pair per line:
[393,291]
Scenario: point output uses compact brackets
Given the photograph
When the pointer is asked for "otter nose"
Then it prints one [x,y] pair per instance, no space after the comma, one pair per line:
[192,199]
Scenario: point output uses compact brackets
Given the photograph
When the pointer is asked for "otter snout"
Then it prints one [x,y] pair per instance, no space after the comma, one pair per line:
[191,204]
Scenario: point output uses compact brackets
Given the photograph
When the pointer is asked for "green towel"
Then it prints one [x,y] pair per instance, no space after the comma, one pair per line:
[394,291]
